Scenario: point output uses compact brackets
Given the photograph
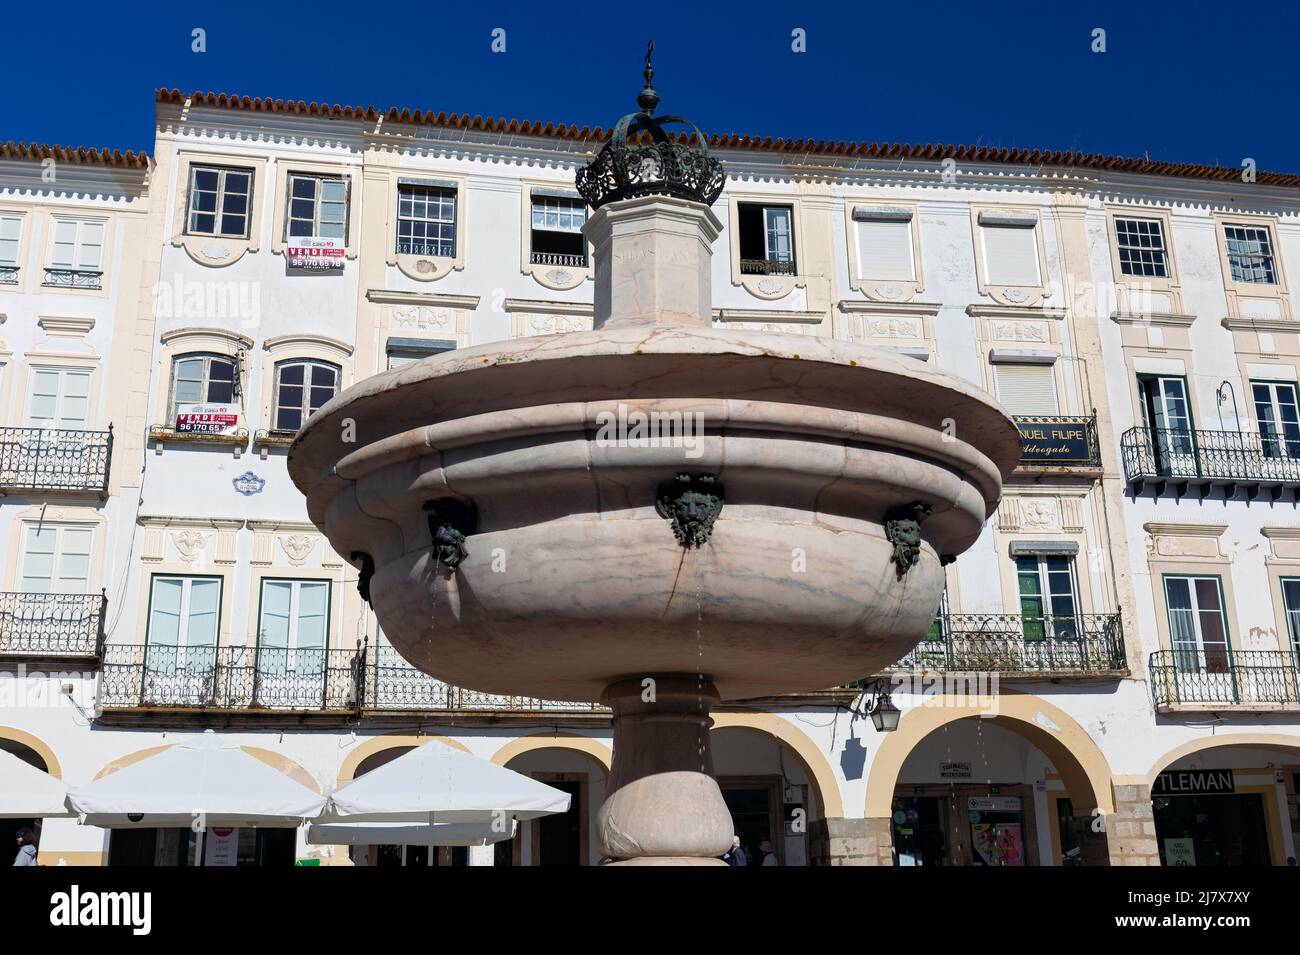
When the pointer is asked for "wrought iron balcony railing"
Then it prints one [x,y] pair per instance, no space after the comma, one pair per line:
[51,625]
[1187,457]
[433,248]
[1016,643]
[229,678]
[767,267]
[394,686]
[73,278]
[1059,441]
[49,459]
[8,275]
[558,258]
[1225,678]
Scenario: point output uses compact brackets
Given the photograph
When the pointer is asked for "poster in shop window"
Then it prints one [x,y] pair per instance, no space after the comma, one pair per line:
[221,846]
[997,844]
[315,255]
[1180,852]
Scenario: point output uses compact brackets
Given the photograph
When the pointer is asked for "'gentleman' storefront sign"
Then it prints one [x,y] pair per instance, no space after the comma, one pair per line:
[1193,782]
[1054,443]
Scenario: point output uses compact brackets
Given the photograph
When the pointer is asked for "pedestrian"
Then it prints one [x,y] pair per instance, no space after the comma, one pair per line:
[26,847]
[738,853]
[769,856]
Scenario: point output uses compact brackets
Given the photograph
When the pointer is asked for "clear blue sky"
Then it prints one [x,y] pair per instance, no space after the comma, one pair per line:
[1194,81]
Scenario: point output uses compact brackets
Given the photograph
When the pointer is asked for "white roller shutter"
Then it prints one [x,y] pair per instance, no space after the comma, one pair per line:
[1026,389]
[1010,255]
[885,250]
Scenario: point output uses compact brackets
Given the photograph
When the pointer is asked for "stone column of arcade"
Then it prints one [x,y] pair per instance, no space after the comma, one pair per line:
[507,544]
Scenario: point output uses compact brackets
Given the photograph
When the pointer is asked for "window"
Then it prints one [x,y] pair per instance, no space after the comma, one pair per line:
[1198,628]
[1028,390]
[202,379]
[301,387]
[1010,249]
[766,237]
[60,398]
[317,207]
[1279,421]
[1141,244]
[219,201]
[1250,254]
[56,559]
[76,256]
[1291,608]
[183,617]
[556,233]
[11,228]
[291,634]
[403,351]
[1047,599]
[426,220]
[1167,415]
[885,244]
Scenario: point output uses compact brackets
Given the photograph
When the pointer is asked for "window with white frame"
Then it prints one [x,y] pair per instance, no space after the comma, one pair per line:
[766,239]
[1291,609]
[1250,254]
[56,558]
[184,613]
[317,207]
[1026,389]
[59,399]
[1010,249]
[403,351]
[556,234]
[885,244]
[1049,606]
[301,388]
[1141,245]
[201,379]
[1198,625]
[426,220]
[11,230]
[293,627]
[76,253]
[220,201]
[1277,409]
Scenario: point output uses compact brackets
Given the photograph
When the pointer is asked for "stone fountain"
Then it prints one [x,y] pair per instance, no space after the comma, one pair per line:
[658,514]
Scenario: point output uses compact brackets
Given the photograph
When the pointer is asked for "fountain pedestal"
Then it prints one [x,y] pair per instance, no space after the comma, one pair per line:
[664,806]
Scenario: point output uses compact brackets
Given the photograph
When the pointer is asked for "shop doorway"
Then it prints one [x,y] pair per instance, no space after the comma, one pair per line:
[963,825]
[560,839]
[753,804]
[218,847]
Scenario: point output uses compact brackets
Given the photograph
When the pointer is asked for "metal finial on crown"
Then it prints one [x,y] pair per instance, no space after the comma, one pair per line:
[648,99]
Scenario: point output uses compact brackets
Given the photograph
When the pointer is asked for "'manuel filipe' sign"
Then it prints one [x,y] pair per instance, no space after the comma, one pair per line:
[1193,782]
[1054,443]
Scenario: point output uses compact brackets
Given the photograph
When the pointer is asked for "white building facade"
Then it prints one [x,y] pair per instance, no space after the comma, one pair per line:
[1112,677]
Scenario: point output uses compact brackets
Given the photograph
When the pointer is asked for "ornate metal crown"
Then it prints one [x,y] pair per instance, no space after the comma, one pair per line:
[663,167]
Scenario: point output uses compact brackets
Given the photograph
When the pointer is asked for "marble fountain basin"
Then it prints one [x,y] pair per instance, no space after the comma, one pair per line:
[572,580]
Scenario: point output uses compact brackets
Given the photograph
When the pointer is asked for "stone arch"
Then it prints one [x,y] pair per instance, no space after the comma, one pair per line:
[377,744]
[37,745]
[593,748]
[1260,740]
[1078,759]
[829,799]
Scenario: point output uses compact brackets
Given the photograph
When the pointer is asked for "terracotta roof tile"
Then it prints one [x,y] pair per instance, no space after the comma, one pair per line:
[36,152]
[1005,155]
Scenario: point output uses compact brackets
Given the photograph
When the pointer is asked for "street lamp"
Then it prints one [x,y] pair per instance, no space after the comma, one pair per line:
[884,714]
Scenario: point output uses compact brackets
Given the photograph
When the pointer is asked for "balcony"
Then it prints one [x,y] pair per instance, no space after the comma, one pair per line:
[1064,444]
[249,679]
[1182,459]
[394,686]
[1238,679]
[73,278]
[47,459]
[1013,645]
[562,259]
[767,267]
[51,626]
[8,275]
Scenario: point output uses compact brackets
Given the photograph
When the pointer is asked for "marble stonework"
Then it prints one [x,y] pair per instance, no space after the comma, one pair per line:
[573,587]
